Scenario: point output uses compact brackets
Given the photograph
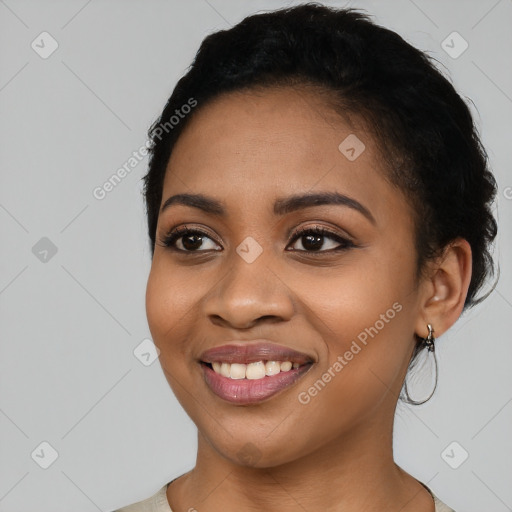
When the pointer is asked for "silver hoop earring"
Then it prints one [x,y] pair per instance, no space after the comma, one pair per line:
[428,342]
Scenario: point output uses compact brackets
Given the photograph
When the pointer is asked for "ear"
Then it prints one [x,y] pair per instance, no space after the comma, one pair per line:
[445,289]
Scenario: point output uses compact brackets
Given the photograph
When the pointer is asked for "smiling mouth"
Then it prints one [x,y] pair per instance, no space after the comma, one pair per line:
[246,384]
[251,371]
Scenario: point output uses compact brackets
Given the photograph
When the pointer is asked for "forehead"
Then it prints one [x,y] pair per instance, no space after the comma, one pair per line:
[248,147]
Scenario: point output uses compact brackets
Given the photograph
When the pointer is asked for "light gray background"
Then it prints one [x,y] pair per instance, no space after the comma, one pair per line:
[68,374]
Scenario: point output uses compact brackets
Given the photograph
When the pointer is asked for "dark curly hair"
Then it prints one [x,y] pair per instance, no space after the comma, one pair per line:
[424,128]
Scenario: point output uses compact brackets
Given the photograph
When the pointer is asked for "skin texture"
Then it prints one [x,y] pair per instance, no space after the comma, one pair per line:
[247,149]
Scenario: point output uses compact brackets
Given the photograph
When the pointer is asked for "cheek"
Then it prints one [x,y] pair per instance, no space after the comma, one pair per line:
[369,328]
[361,373]
[367,314]
[168,313]
[361,292]
[168,307]
[157,303]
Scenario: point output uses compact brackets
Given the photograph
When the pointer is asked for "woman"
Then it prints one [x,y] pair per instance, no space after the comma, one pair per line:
[318,205]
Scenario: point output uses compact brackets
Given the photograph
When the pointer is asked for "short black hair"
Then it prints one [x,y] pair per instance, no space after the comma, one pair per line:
[425,128]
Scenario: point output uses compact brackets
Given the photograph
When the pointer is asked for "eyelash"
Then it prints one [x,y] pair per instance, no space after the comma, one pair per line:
[169,240]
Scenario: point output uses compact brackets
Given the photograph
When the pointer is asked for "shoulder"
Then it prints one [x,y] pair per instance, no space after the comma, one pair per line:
[440,506]
[156,503]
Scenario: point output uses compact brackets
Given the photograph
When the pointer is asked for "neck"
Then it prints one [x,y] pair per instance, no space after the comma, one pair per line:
[353,472]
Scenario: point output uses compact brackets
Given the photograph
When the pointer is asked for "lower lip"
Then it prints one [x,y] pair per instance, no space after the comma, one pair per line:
[251,391]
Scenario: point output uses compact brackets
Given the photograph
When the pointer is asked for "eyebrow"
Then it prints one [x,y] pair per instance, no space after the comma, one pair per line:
[282,205]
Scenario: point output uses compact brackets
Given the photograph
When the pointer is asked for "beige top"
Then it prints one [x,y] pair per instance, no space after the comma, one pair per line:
[158,503]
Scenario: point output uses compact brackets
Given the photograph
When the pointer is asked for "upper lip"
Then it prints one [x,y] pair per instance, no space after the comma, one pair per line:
[250,352]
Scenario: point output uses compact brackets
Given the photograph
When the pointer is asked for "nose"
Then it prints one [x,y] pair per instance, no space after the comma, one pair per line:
[250,293]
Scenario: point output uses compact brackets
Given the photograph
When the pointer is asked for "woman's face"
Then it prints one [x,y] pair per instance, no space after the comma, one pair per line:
[347,300]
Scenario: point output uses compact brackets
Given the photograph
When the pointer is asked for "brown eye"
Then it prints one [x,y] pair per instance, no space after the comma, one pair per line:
[314,240]
[189,240]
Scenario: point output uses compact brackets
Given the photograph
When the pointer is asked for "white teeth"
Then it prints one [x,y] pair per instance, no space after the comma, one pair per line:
[272,367]
[237,371]
[253,371]
[225,369]
[286,366]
